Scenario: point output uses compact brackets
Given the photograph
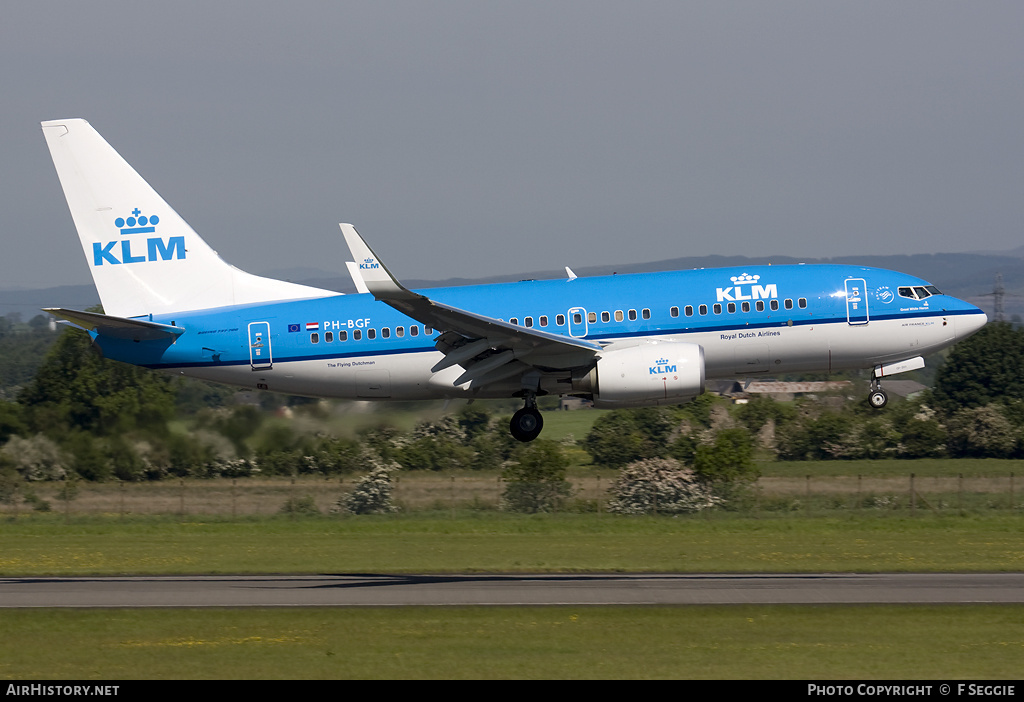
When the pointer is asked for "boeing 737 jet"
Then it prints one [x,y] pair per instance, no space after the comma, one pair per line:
[172,304]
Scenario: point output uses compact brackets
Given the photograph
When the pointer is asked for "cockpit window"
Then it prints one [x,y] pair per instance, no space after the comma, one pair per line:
[919,292]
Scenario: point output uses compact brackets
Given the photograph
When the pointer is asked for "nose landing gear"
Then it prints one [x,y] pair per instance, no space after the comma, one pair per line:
[877,398]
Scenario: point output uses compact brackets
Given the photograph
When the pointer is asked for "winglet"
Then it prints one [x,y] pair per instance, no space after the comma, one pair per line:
[374,273]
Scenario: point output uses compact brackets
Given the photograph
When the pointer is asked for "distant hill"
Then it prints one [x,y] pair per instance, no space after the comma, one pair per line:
[970,276]
[29,303]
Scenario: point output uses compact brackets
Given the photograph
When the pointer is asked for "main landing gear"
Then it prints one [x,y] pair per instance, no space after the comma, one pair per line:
[877,397]
[527,422]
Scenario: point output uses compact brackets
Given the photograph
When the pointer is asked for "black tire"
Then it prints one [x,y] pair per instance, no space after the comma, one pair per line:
[878,399]
[526,424]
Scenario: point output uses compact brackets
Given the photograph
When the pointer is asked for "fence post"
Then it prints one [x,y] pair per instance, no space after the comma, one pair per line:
[913,495]
[807,495]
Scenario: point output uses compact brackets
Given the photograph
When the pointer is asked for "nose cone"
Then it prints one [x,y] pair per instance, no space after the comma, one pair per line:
[967,324]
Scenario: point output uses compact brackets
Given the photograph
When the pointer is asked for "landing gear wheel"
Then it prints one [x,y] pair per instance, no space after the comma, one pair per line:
[878,398]
[526,424]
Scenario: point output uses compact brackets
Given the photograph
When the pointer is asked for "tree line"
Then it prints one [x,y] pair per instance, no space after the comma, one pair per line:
[98,420]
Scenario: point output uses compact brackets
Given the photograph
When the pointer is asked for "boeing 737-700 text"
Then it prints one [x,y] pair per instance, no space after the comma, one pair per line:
[172,304]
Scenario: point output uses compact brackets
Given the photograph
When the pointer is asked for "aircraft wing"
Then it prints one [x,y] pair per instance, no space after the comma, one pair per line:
[487,348]
[117,327]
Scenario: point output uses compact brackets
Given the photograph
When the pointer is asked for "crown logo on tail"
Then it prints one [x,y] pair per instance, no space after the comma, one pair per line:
[137,223]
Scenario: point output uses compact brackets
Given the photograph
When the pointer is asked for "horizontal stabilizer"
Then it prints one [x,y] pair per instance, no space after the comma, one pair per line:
[117,327]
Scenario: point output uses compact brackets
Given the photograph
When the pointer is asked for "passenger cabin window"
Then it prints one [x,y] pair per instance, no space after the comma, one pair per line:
[386,332]
[328,337]
[646,313]
[371,333]
[618,315]
[688,310]
[357,335]
[560,320]
[802,302]
[759,305]
[731,307]
[718,308]
[789,304]
[543,320]
[314,338]
[428,330]
[745,306]
[673,311]
[343,336]
[703,309]
[592,317]
[528,321]
[399,332]
[577,318]
[414,331]
[632,315]
[774,305]
[605,317]
[513,320]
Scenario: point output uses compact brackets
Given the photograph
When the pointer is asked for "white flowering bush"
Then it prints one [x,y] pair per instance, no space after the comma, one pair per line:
[36,458]
[373,493]
[662,486]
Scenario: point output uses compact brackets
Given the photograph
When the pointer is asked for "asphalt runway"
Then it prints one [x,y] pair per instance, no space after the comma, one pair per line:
[510,590]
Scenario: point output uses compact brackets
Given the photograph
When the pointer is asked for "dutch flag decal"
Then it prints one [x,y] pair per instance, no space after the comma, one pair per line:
[312,326]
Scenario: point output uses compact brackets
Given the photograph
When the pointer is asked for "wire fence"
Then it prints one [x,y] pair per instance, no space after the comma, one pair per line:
[419,492]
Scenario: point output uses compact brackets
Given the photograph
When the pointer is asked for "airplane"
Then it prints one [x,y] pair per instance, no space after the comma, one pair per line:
[172,304]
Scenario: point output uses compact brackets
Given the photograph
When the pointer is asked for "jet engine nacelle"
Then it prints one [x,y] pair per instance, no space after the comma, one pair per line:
[651,373]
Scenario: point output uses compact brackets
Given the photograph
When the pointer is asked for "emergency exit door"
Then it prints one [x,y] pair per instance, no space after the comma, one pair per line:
[260,356]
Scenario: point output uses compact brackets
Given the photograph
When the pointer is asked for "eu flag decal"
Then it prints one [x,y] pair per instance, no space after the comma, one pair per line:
[293,327]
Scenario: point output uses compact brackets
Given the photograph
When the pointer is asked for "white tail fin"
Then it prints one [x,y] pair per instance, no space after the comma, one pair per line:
[144,258]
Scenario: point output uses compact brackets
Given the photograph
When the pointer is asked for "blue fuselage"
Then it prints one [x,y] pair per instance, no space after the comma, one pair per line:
[752,320]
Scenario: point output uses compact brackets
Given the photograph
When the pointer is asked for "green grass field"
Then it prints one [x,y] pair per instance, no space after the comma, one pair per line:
[742,642]
[495,542]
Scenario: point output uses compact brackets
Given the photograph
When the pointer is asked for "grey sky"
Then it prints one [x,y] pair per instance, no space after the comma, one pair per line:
[479,138]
